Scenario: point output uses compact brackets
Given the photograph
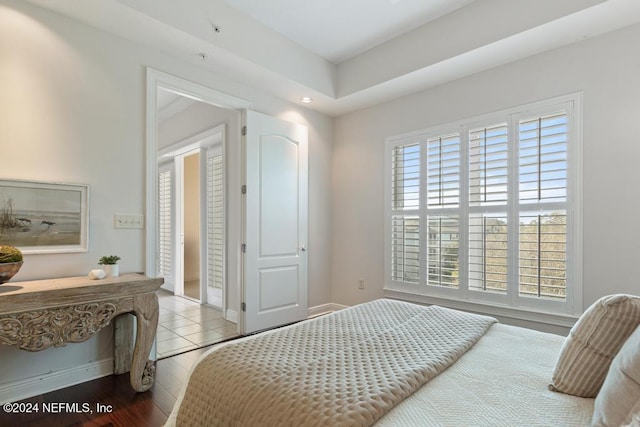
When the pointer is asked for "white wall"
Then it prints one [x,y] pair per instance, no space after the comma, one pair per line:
[72,109]
[606,69]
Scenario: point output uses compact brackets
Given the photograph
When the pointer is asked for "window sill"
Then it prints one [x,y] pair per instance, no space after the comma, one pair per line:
[541,317]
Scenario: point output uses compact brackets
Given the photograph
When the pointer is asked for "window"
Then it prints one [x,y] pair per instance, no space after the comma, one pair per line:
[487,209]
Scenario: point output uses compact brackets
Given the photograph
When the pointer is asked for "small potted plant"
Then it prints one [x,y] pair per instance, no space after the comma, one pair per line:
[111,266]
[10,262]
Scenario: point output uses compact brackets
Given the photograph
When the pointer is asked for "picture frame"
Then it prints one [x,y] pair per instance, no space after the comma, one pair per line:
[44,217]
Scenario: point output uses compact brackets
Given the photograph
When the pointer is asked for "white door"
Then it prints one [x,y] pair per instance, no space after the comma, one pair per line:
[275,233]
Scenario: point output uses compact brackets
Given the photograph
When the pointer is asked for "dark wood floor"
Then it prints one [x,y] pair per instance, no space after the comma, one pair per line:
[80,405]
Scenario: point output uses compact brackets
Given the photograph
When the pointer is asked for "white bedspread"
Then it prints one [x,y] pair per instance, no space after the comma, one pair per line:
[502,381]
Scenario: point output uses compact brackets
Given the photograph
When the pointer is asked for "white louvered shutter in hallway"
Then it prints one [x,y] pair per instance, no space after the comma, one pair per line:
[165,223]
[215,219]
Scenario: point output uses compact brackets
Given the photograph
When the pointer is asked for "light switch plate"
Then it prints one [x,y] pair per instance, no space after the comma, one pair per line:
[128,221]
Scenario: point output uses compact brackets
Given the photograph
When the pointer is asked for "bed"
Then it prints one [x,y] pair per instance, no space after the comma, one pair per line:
[387,363]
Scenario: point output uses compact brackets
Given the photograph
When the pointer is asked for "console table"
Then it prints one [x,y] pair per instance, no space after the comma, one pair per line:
[38,314]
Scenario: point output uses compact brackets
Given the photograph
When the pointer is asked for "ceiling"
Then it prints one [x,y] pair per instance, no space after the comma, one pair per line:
[341,29]
[169,104]
[350,54]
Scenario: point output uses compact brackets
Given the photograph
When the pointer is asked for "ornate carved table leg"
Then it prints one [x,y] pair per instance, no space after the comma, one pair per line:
[145,308]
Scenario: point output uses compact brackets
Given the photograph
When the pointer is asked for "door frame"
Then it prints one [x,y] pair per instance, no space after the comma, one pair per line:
[160,80]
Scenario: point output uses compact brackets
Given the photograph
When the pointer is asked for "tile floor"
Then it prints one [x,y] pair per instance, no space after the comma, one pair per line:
[185,325]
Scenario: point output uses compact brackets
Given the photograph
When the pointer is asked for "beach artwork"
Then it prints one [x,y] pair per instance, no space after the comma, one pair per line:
[40,217]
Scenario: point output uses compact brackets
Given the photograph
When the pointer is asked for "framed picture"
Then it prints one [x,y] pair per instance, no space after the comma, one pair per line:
[43,217]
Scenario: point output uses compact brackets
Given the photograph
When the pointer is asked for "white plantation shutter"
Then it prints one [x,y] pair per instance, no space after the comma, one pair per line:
[487,212]
[405,263]
[442,251]
[165,223]
[443,157]
[215,219]
[543,158]
[405,166]
[488,169]
[543,163]
[488,252]
[488,186]
[543,254]
[405,225]
[443,171]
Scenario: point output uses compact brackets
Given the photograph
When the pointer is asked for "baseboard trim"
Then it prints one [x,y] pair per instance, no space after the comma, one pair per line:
[232,316]
[318,310]
[21,389]
[321,309]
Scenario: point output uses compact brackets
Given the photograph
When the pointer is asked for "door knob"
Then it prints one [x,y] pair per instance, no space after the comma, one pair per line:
[303,248]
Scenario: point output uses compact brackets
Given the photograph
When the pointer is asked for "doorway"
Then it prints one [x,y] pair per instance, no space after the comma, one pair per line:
[192,212]
[187,138]
[191,241]
[280,147]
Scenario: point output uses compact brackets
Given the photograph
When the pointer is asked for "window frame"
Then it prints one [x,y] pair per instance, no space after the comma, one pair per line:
[421,292]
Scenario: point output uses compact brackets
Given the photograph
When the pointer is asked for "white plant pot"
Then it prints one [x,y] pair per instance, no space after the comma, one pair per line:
[113,270]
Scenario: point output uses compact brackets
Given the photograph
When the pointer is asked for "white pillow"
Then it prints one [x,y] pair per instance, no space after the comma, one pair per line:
[592,344]
[618,402]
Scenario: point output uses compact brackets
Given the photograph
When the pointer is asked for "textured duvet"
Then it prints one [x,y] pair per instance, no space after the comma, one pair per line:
[347,368]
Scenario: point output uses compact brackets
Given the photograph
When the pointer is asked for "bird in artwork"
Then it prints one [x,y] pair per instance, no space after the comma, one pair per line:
[47,223]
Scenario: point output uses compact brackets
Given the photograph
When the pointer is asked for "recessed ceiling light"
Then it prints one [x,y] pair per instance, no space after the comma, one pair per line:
[306,100]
